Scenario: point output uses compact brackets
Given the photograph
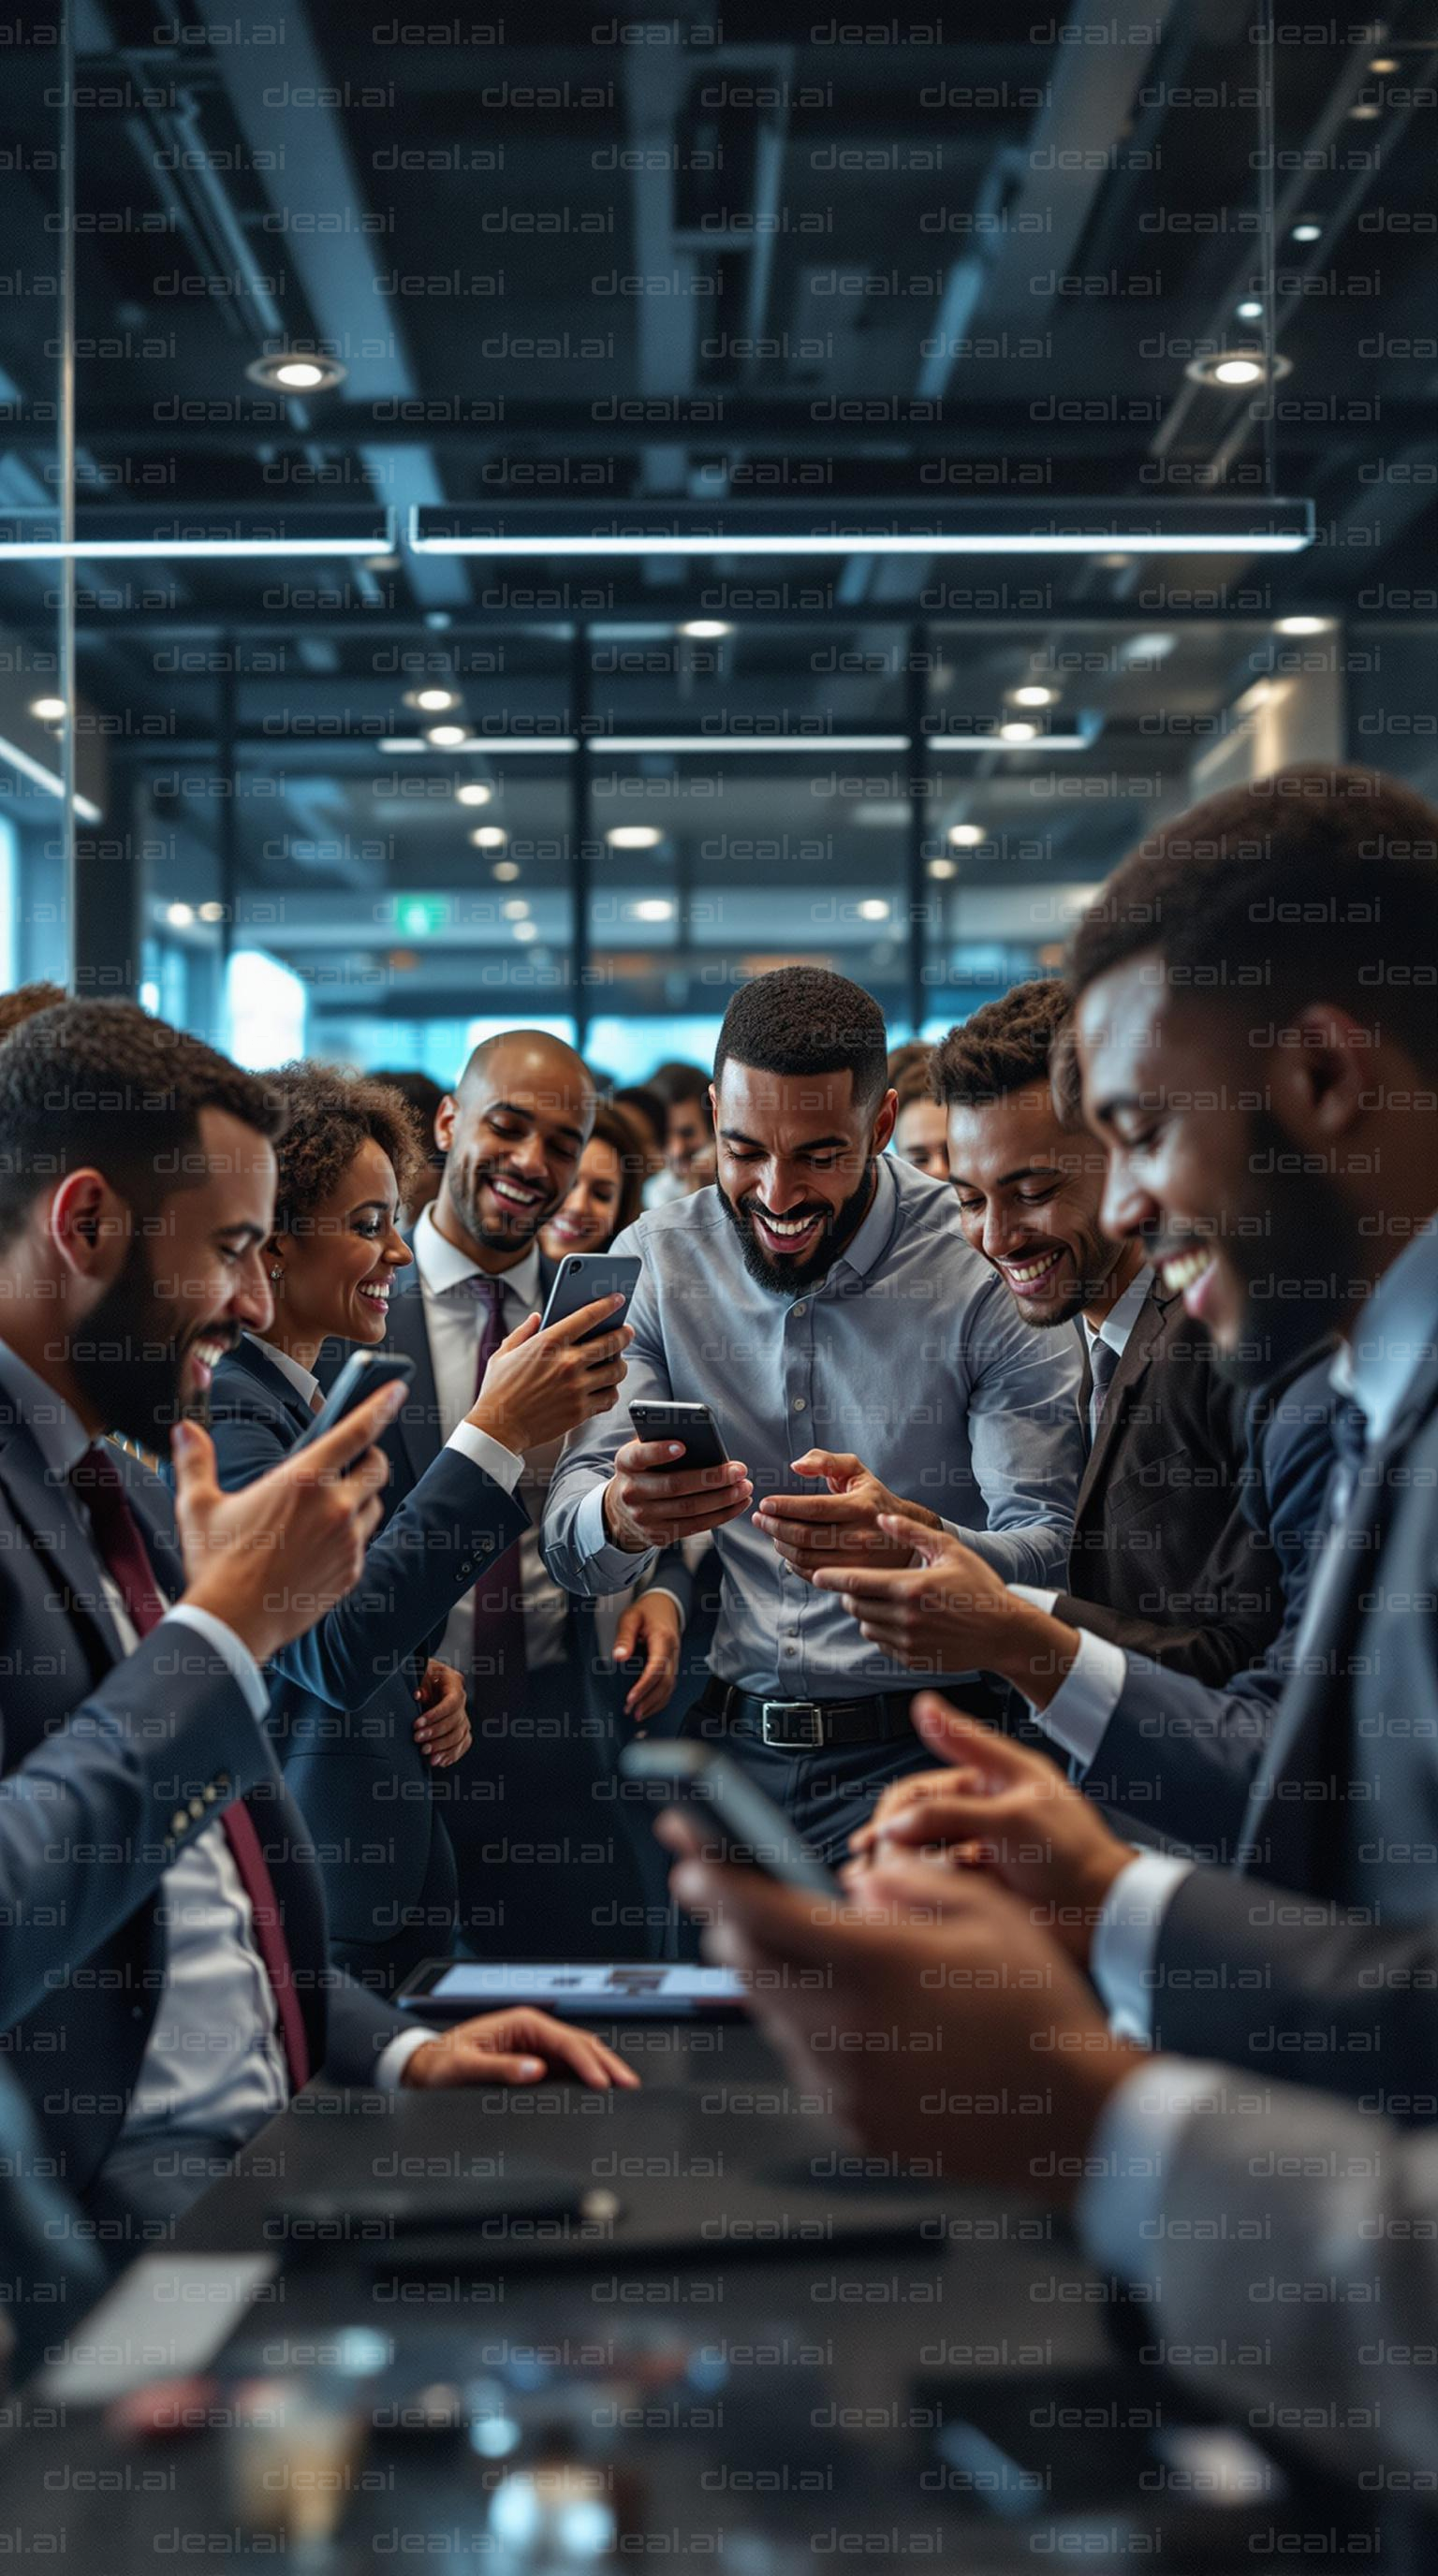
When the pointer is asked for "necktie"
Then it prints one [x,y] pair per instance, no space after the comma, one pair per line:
[118,1536]
[499,1665]
[1103,1359]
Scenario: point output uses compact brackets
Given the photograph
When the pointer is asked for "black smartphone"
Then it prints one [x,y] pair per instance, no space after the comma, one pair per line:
[364,1373]
[583,1276]
[694,1424]
[746,1826]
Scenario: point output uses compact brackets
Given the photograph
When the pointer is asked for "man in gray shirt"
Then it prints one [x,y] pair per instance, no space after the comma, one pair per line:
[822,1301]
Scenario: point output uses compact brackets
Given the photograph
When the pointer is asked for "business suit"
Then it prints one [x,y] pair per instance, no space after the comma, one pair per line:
[1165,1559]
[546,1864]
[1176,1753]
[342,1704]
[1320,1961]
[114,1764]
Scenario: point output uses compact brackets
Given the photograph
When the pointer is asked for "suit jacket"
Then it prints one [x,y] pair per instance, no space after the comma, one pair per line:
[112,1764]
[1337,1981]
[1178,1753]
[1165,1559]
[342,1705]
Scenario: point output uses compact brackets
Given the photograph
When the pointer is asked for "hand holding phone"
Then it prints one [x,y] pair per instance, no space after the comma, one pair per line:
[545,1378]
[363,1374]
[734,1820]
[674,1480]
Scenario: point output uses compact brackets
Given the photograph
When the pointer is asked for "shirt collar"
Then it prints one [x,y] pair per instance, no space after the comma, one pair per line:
[56,1429]
[303,1379]
[1394,1336]
[871,1241]
[443,1266]
[1120,1320]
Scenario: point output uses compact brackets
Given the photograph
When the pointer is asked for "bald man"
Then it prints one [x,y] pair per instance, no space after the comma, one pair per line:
[544,1870]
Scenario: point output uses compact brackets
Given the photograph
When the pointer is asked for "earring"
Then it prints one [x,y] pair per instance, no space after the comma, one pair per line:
[276,1274]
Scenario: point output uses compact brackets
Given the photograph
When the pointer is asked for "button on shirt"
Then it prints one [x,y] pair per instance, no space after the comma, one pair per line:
[1375,1371]
[909,1352]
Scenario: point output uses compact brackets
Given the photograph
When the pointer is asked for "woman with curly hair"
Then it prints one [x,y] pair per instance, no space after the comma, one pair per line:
[377,1717]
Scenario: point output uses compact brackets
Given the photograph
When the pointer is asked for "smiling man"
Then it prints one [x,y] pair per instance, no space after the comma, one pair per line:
[821,1300]
[1166,1558]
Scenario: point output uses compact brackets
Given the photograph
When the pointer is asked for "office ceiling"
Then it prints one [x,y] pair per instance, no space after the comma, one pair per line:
[720,257]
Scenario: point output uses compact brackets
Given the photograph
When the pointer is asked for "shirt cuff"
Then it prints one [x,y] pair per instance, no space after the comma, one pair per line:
[608,1568]
[394,2057]
[1125,1941]
[482,1451]
[1078,1714]
[1119,2212]
[1032,1592]
[223,1642]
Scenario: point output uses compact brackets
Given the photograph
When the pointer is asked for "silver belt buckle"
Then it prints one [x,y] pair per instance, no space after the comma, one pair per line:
[805,1714]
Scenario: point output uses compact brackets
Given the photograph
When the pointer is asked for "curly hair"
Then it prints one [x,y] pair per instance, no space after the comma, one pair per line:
[807,1020]
[330,1114]
[1007,1046]
[104,1084]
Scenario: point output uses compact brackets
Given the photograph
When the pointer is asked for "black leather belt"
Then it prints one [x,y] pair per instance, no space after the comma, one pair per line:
[808,1725]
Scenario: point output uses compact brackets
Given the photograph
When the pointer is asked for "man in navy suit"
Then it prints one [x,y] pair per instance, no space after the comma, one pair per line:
[165,1982]
[544,1871]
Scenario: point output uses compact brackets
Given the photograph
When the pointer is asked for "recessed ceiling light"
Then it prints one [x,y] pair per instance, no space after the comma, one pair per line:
[1307,232]
[943,867]
[296,371]
[1016,730]
[873,909]
[1384,63]
[705,630]
[1364,113]
[49,710]
[1231,369]
[1033,695]
[525,930]
[489,837]
[504,871]
[212,912]
[1147,648]
[966,836]
[381,563]
[1304,625]
[445,737]
[180,915]
[431,702]
[1250,310]
[473,793]
[653,908]
[1114,563]
[633,836]
[516,909]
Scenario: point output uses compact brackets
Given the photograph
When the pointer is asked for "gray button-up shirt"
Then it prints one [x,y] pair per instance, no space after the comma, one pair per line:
[909,1353]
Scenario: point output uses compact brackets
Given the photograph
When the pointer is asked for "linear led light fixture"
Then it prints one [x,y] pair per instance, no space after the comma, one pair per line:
[1160,527]
[747,742]
[12,756]
[499,746]
[121,537]
[942,742]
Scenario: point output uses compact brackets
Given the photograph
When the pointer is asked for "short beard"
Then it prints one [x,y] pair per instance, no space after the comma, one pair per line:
[127,1360]
[1310,1250]
[462,1191]
[786,1278]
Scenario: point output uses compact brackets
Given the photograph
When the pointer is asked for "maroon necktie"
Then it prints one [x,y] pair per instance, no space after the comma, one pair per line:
[499,1666]
[118,1536]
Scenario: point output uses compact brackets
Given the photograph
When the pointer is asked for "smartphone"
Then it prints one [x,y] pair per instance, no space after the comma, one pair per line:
[746,1825]
[694,1424]
[364,1373]
[583,1276]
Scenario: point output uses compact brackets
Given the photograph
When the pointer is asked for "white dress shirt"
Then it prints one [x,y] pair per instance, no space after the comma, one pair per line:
[1086,1698]
[1375,1369]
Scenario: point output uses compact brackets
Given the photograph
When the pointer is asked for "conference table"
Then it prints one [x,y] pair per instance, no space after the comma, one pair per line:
[567,2330]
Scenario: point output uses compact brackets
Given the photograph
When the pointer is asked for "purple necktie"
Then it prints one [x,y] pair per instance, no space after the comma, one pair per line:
[498,1668]
[121,1542]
